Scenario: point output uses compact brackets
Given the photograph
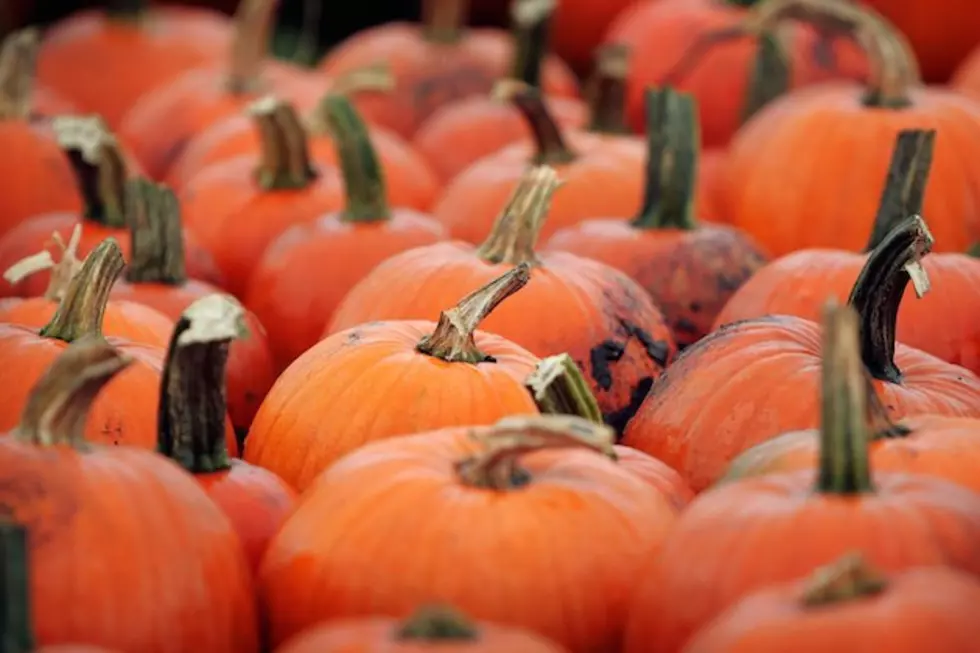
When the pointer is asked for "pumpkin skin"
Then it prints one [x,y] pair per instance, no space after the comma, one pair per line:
[632,516]
[711,176]
[967,77]
[658,474]
[580,26]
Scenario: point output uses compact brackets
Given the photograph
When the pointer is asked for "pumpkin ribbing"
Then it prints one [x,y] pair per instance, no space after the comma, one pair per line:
[849,578]
[905,184]
[607,90]
[100,171]
[18,56]
[156,236]
[285,159]
[437,624]
[531,21]
[514,234]
[15,619]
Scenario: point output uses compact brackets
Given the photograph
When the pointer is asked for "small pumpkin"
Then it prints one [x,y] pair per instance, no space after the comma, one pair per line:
[711,559]
[499,500]
[447,374]
[73,497]
[689,269]
[580,26]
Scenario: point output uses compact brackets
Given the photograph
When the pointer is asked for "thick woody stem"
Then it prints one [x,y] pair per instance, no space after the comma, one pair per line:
[16,633]
[770,77]
[285,158]
[515,232]
[559,388]
[607,90]
[100,170]
[847,579]
[253,25]
[156,235]
[531,21]
[126,10]
[376,78]
[444,20]
[551,148]
[905,184]
[18,56]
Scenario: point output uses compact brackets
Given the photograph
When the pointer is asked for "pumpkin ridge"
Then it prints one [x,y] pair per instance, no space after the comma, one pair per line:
[515,232]
[905,183]
[549,142]
[847,579]
[99,168]
[284,161]
[607,86]
[156,234]
[532,21]
[18,57]
[437,624]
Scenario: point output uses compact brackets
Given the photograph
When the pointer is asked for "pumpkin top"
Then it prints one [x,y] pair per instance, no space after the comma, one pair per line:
[607,90]
[452,341]
[62,270]
[253,24]
[549,143]
[515,232]
[18,55]
[193,403]
[15,606]
[375,78]
[98,164]
[531,20]
[847,579]
[905,185]
[285,158]
[444,21]
[156,234]
[559,388]
[437,624]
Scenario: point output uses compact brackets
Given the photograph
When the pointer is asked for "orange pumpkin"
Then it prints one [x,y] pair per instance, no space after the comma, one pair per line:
[428,628]
[580,26]
[597,314]
[341,246]
[73,497]
[502,498]
[710,180]
[753,380]
[448,374]
[849,605]
[435,63]
[689,270]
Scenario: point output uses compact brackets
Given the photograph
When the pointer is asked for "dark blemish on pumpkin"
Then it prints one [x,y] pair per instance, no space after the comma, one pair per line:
[241,432]
[695,307]
[657,350]
[619,419]
[600,356]
[44,506]
[684,325]
[353,337]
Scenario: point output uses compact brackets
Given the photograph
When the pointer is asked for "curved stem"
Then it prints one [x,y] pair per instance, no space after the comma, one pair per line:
[193,403]
[770,76]
[607,90]
[531,21]
[444,20]
[18,57]
[100,170]
[497,467]
[515,232]
[559,388]
[437,624]
[16,633]
[376,78]
[844,437]
[285,158]
[905,184]
[81,309]
[156,235]
[58,405]
[877,293]
[452,340]
[672,161]
[364,182]
[847,579]
[62,271]
[249,46]
[550,144]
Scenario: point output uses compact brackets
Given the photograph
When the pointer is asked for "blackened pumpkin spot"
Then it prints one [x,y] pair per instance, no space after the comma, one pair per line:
[600,358]
[684,325]
[353,337]
[619,419]
[657,350]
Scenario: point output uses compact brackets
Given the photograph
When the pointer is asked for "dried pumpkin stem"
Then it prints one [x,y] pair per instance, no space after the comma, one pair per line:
[193,401]
[847,579]
[444,20]
[16,634]
[375,78]
[62,270]
[250,44]
[506,442]
[515,232]
[126,10]
[905,184]
[81,309]
[770,76]
[672,161]
[100,170]
[437,624]
[156,234]
[531,21]
[607,90]
[58,405]
[559,388]
[18,56]
[364,181]
[550,147]
[285,157]
[452,340]
[844,436]
[877,293]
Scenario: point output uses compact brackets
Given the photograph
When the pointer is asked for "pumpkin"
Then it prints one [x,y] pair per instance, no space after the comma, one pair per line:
[102,61]
[157,277]
[341,246]
[710,179]
[966,80]
[434,627]
[100,170]
[580,26]
[192,424]
[73,496]
[503,497]
[753,380]
[46,103]
[709,48]
[902,612]
[434,63]
[711,559]
[597,314]
[689,270]
[447,374]
[790,175]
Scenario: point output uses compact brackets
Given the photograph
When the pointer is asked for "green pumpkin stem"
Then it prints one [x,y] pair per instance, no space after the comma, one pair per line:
[437,623]
[844,436]
[99,167]
[83,305]
[559,388]
[531,20]
[18,57]
[444,21]
[285,158]
[375,78]
[847,579]
[16,634]
[607,90]
[550,146]
[770,76]
[673,142]
[193,402]
[156,234]
[877,293]
[452,341]
[254,20]
[905,184]
[515,232]
[364,181]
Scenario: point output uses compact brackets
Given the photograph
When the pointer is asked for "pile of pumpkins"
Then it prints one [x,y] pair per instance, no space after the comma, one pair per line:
[693,345]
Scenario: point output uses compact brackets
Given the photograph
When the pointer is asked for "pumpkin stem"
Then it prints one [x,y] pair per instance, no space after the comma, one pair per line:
[771,76]
[848,579]
[607,90]
[125,10]
[83,304]
[376,78]
[549,143]
[156,235]
[62,271]
[364,180]
[437,623]
[16,634]
[515,232]
[100,171]
[193,402]
[905,184]
[844,467]
[877,293]
[497,466]
[452,340]
[249,45]
[559,388]
[672,161]
[285,157]
[531,21]
[58,405]
[18,56]
[444,20]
